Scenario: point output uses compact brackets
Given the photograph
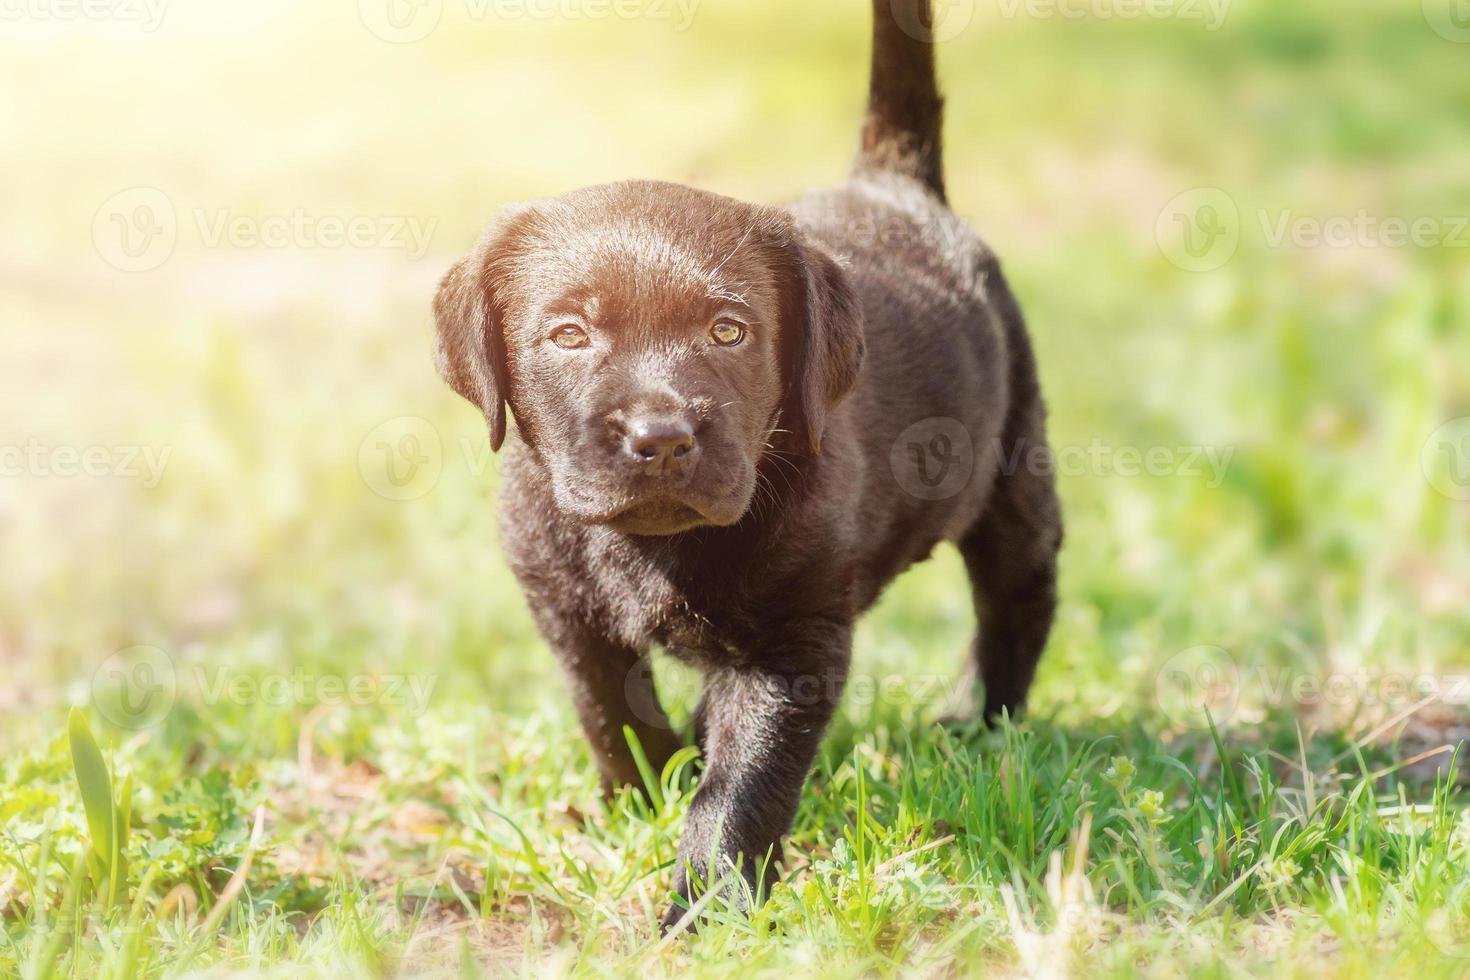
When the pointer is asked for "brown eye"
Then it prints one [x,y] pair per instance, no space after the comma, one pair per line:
[726,333]
[569,336]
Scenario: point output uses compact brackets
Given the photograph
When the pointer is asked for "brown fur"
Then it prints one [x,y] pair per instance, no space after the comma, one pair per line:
[867,309]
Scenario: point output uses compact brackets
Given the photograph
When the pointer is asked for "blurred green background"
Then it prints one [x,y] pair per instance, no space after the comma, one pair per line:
[1154,183]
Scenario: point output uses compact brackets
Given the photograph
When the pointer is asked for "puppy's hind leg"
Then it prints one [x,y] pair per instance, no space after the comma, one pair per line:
[1011,555]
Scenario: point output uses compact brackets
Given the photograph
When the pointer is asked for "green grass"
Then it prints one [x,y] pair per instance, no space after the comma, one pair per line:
[362,673]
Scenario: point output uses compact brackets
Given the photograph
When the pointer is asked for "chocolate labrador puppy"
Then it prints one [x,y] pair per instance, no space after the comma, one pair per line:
[734,425]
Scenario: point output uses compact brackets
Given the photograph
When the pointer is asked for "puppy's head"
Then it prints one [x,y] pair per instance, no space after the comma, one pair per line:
[651,341]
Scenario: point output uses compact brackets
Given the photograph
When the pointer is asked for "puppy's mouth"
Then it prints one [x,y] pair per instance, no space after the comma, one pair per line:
[655,506]
[657,516]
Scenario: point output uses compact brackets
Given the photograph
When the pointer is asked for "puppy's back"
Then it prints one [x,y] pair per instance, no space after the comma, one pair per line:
[941,328]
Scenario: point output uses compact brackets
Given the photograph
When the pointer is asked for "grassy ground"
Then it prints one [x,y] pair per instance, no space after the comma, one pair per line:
[1265,518]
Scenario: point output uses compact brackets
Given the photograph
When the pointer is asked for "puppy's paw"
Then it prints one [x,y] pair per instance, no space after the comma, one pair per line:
[675,915]
[961,715]
[962,705]
[683,902]
[738,888]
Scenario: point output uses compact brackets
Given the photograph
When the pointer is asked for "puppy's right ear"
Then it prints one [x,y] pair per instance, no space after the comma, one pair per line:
[470,348]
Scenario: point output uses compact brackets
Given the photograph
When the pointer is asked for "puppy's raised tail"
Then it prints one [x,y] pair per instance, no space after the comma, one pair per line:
[901,132]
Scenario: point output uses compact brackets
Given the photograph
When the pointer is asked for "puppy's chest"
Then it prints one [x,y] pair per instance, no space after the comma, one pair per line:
[692,612]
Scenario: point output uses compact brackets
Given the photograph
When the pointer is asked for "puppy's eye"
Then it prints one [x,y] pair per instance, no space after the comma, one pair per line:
[569,336]
[726,333]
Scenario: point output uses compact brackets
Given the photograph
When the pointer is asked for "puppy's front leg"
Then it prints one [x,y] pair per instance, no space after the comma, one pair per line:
[612,687]
[760,725]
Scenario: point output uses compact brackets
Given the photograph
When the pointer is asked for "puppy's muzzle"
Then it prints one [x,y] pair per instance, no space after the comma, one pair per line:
[659,445]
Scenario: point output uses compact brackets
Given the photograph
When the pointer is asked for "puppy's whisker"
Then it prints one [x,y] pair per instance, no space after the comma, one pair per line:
[738,245]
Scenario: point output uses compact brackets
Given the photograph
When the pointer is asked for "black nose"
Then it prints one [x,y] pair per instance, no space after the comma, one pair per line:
[660,444]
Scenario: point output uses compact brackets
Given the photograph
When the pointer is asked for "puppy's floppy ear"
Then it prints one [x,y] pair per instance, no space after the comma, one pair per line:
[470,348]
[822,338]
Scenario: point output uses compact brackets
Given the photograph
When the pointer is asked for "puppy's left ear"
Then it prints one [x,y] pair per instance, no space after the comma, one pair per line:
[470,348]
[822,338]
